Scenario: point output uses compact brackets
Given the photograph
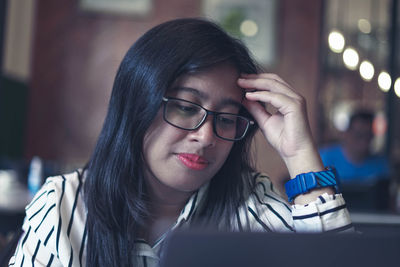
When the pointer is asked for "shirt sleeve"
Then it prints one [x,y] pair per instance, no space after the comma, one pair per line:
[35,245]
[54,225]
[328,213]
[271,212]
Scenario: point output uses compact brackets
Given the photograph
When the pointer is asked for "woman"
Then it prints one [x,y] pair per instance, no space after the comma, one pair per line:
[173,153]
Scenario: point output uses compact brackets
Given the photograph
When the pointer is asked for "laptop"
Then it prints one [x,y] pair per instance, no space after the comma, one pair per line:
[209,249]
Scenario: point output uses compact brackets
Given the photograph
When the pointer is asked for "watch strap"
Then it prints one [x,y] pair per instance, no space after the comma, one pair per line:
[304,182]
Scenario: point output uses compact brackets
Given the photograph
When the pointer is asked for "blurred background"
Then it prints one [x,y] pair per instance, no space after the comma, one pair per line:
[59,59]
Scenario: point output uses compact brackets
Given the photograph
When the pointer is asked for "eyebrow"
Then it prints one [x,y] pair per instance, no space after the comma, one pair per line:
[202,95]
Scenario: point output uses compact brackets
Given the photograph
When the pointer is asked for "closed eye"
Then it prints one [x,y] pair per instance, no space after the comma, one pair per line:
[187,110]
[226,120]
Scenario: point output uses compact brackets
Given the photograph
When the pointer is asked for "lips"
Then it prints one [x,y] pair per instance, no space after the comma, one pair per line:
[193,161]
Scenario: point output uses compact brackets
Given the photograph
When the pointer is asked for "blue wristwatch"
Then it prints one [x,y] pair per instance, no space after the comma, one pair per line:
[304,182]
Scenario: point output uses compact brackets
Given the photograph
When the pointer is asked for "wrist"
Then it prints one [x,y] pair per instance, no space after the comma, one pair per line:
[304,161]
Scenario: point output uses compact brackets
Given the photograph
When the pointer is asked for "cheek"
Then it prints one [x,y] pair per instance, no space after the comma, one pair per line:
[159,135]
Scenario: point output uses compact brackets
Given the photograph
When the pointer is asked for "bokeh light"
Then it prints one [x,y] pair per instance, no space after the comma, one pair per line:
[384,81]
[367,70]
[350,58]
[249,28]
[336,41]
[364,26]
[397,87]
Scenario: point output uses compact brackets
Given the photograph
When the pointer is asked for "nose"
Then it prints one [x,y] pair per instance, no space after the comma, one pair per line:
[205,133]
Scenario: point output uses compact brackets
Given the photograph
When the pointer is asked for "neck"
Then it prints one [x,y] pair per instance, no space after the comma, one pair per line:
[161,209]
[165,202]
[165,206]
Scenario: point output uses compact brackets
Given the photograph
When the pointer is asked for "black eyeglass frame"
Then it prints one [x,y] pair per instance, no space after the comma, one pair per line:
[208,112]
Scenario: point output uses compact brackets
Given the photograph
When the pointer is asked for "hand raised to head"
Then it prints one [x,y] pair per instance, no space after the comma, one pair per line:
[287,130]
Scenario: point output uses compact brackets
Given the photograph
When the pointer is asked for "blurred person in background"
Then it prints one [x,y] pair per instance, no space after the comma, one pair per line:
[352,157]
[359,170]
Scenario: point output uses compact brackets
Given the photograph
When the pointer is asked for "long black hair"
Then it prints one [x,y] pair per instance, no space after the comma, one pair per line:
[114,190]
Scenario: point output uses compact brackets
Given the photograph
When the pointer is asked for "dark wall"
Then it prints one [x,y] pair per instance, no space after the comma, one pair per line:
[13,103]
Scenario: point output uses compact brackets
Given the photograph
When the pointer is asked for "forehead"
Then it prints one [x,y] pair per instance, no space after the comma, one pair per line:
[215,84]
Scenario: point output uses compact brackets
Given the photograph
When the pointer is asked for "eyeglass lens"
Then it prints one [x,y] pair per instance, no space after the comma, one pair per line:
[189,116]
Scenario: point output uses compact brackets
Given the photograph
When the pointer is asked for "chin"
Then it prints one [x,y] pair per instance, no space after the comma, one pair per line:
[183,185]
[186,188]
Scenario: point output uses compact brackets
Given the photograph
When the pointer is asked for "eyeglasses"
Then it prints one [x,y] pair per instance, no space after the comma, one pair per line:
[190,116]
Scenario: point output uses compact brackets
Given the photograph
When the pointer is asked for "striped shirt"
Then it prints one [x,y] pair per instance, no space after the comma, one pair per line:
[55,232]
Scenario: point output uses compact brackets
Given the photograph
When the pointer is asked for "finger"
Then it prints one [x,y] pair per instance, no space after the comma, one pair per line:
[282,102]
[266,84]
[265,75]
[269,82]
[259,113]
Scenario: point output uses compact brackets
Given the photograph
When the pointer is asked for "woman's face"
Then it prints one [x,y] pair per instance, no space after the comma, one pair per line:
[181,161]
